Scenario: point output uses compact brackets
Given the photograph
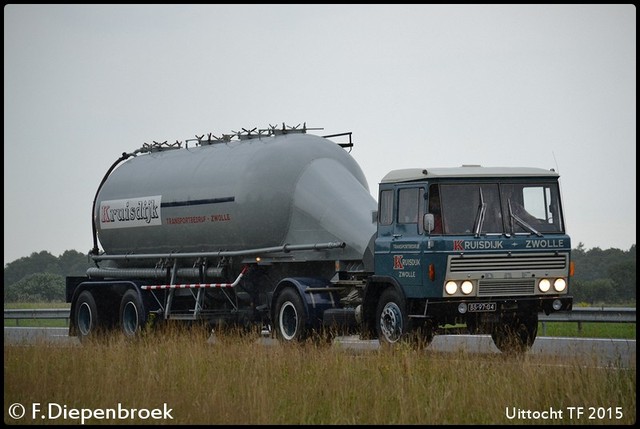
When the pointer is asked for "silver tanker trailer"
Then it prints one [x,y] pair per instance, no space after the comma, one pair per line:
[277,229]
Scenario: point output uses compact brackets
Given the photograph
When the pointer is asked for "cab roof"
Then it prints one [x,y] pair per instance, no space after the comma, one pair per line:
[465,171]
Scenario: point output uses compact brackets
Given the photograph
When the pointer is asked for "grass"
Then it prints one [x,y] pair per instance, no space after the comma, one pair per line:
[237,380]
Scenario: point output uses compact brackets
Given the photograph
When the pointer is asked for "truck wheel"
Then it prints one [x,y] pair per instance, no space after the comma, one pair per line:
[392,322]
[515,333]
[290,316]
[86,316]
[132,314]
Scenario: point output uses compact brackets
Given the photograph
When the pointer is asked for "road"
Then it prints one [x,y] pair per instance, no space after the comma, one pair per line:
[593,351]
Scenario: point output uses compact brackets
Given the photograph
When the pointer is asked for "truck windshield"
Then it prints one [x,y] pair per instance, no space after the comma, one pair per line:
[500,208]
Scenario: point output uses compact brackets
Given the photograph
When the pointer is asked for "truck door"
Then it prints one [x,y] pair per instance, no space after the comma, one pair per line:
[386,214]
[406,245]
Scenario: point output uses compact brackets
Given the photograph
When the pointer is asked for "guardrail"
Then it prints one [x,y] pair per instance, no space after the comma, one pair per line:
[578,314]
[590,314]
[37,313]
[593,314]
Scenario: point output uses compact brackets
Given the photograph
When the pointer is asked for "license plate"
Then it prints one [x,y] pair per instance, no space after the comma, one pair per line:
[476,307]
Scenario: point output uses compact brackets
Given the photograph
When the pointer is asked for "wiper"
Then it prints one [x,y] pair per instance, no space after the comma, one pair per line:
[520,222]
[482,209]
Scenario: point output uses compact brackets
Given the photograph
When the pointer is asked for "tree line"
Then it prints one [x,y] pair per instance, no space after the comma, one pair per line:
[601,276]
[604,276]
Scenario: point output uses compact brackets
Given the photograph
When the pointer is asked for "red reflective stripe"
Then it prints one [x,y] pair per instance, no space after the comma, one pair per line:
[198,285]
[188,286]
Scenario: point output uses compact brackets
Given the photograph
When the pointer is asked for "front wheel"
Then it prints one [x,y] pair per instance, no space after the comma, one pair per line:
[393,325]
[392,322]
[290,318]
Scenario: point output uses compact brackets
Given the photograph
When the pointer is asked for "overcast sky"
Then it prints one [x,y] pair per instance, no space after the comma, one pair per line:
[418,85]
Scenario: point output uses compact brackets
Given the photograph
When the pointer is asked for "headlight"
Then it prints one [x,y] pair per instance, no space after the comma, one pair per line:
[466,287]
[559,285]
[544,285]
[451,287]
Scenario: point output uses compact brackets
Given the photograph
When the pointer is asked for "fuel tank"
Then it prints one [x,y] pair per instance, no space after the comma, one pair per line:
[289,188]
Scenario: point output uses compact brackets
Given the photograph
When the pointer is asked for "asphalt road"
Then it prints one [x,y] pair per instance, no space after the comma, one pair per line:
[593,351]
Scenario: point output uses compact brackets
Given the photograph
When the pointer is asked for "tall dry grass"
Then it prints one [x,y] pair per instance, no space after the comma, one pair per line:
[244,380]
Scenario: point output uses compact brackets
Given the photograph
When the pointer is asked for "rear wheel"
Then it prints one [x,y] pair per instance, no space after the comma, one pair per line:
[132,314]
[290,320]
[86,316]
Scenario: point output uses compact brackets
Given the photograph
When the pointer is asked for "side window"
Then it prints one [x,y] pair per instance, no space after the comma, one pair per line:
[420,210]
[385,210]
[408,205]
[434,208]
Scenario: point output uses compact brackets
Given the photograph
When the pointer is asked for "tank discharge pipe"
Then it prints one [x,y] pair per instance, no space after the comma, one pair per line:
[198,285]
[149,273]
[286,248]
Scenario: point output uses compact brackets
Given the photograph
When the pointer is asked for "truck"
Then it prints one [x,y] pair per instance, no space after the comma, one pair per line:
[276,229]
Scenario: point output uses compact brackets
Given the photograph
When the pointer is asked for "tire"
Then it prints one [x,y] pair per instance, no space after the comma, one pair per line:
[392,321]
[85,317]
[290,317]
[515,333]
[132,314]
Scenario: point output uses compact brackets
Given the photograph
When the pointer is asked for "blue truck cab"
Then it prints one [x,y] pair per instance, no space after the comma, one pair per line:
[480,246]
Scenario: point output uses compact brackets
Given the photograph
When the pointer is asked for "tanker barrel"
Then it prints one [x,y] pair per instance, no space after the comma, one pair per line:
[277,194]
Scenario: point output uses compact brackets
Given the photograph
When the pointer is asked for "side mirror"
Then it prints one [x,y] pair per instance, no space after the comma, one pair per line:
[428,222]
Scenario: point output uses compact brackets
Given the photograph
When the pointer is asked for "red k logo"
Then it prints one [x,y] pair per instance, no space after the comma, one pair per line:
[458,245]
[397,262]
[105,214]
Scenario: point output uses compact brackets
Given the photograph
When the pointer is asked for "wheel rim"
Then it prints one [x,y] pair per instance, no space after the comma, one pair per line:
[130,318]
[84,319]
[391,322]
[288,319]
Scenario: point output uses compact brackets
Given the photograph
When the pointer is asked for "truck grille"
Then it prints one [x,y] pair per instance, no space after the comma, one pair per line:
[508,262]
[507,274]
[501,287]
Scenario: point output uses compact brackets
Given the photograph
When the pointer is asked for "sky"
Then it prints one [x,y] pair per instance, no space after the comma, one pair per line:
[549,86]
